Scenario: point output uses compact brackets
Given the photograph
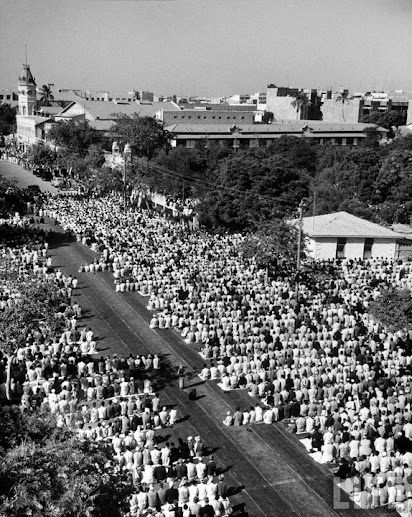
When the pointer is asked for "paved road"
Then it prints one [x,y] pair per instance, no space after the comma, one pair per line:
[270,470]
[23,177]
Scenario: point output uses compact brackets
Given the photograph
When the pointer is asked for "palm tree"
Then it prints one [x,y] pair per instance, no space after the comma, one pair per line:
[344,98]
[46,96]
[300,103]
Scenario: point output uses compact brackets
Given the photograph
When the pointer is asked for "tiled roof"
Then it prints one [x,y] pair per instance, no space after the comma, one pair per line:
[342,224]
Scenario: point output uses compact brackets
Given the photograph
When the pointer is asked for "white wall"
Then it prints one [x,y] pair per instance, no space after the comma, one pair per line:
[384,248]
[354,248]
[332,111]
[325,248]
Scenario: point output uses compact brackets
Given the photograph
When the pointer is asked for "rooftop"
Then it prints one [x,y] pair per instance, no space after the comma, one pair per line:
[343,224]
[108,110]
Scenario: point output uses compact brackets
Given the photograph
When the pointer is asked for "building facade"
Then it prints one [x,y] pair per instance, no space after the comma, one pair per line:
[263,135]
[344,236]
[30,127]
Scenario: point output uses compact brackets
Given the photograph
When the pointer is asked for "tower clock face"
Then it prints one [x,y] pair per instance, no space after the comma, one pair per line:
[22,92]
[30,92]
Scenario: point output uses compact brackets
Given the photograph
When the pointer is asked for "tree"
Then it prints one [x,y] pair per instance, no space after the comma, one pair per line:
[50,473]
[344,98]
[145,136]
[46,96]
[372,137]
[7,119]
[77,136]
[393,308]
[250,187]
[274,242]
[386,119]
[41,155]
[301,102]
[36,304]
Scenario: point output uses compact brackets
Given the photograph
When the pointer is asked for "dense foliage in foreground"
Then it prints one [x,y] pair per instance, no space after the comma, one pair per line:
[47,472]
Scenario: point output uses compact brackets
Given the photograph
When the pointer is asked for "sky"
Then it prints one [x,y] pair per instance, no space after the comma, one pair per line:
[208,47]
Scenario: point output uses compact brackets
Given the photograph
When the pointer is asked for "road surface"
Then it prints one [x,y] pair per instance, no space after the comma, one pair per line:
[23,177]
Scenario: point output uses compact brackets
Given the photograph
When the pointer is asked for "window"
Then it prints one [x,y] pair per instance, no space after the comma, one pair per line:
[349,141]
[340,247]
[338,141]
[367,250]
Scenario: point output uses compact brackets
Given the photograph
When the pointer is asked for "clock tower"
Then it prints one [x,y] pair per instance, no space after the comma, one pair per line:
[27,92]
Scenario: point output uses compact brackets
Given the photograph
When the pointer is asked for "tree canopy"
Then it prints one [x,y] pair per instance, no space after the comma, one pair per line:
[145,136]
[7,119]
[393,308]
[77,136]
[47,472]
[46,96]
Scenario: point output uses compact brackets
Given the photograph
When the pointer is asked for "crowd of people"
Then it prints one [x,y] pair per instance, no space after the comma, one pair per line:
[169,479]
[310,353]
[107,399]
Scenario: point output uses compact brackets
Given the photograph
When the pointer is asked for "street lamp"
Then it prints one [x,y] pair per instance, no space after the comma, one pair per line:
[127,153]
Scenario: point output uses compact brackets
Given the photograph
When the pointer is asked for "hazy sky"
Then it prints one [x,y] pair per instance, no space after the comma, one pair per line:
[208,47]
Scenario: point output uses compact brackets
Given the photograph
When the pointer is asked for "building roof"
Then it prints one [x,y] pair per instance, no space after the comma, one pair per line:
[50,110]
[199,106]
[67,95]
[342,224]
[310,128]
[101,110]
[101,125]
[26,76]
[37,120]
[404,229]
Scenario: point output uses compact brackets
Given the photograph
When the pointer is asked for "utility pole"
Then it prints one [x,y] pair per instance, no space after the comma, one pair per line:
[126,154]
[300,211]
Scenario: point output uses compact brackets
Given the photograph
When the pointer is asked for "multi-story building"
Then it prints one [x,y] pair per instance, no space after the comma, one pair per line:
[279,101]
[189,134]
[10,97]
[31,127]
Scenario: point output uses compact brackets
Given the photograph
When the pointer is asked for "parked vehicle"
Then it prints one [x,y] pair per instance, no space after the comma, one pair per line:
[57,182]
